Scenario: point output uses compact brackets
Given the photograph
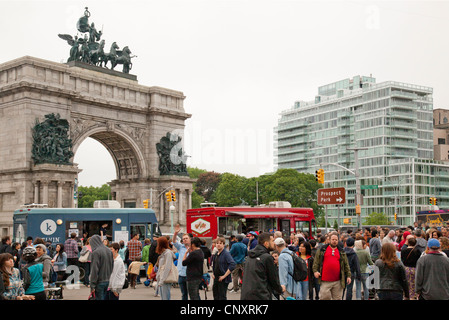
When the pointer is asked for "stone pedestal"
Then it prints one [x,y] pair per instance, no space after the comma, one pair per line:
[54,184]
[132,193]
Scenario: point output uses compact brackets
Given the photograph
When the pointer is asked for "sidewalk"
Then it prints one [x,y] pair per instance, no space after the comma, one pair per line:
[140,293]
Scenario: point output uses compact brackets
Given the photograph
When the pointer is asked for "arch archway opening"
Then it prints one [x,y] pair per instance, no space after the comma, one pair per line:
[96,162]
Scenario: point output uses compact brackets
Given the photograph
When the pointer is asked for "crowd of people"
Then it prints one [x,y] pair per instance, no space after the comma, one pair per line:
[29,268]
[404,263]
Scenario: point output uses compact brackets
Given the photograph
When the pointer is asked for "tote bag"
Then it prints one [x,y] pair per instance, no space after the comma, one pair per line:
[173,275]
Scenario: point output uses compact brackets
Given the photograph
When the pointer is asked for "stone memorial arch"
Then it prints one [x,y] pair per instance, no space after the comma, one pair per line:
[133,122]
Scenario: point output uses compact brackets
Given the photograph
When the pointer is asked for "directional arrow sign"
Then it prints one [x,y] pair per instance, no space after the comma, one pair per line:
[331,196]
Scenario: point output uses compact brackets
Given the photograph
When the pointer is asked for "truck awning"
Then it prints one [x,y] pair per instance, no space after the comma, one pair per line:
[265,214]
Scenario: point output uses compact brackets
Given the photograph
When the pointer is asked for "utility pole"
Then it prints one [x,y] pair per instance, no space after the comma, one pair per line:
[357,186]
[358,198]
[172,211]
[151,195]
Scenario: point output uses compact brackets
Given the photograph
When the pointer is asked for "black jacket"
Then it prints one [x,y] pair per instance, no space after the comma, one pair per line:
[353,261]
[5,248]
[152,255]
[392,279]
[260,276]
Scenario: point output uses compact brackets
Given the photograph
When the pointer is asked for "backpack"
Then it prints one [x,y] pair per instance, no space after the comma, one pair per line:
[299,268]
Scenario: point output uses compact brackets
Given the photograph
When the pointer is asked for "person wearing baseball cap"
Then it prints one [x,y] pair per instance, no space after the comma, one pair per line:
[432,273]
[45,259]
[433,244]
[252,243]
[286,266]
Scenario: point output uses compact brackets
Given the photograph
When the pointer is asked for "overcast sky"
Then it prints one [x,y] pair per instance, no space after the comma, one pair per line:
[240,63]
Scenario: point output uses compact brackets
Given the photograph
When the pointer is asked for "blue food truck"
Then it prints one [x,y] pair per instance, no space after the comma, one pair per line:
[57,224]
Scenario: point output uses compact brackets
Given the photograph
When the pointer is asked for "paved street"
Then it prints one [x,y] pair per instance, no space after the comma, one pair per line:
[140,293]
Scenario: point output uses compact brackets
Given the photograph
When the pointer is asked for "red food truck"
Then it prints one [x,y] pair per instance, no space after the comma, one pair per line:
[211,221]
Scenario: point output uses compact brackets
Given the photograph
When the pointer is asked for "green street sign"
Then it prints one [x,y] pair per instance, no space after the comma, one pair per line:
[372,186]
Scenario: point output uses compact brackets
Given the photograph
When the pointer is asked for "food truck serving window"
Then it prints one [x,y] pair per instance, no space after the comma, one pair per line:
[302,226]
[139,228]
[231,225]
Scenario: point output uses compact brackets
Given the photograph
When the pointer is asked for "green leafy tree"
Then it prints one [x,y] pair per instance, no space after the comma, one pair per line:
[194,173]
[229,190]
[197,200]
[90,194]
[376,218]
[300,189]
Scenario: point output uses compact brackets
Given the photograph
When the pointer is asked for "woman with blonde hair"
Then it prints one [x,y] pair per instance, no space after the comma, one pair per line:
[391,276]
[444,241]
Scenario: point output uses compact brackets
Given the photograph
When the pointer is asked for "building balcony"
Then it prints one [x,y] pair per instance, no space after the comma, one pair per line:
[284,135]
[403,144]
[403,104]
[403,95]
[403,115]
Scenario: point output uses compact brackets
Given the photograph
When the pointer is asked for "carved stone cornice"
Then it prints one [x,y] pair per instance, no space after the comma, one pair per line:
[169,113]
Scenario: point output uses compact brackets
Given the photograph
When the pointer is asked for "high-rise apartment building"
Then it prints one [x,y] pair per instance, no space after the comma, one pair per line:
[441,134]
[392,121]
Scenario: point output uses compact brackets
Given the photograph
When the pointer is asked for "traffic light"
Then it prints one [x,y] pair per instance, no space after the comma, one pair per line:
[433,201]
[168,196]
[145,204]
[395,216]
[319,174]
[173,196]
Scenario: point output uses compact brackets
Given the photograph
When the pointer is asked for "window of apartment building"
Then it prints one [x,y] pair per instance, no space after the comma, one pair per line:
[441,141]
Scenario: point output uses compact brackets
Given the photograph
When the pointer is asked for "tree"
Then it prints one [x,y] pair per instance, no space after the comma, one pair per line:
[376,218]
[300,189]
[197,200]
[207,183]
[90,194]
[229,190]
[194,173]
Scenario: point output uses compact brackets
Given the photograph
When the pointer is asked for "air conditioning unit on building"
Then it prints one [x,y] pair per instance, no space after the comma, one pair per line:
[111,204]
[279,204]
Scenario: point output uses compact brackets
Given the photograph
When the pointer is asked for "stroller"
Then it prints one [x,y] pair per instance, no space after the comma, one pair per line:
[55,292]
[151,278]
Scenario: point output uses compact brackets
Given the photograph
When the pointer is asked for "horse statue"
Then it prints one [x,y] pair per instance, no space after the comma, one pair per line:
[90,50]
[109,56]
[123,57]
[96,52]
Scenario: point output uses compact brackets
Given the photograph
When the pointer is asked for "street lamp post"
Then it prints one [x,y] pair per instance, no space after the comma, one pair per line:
[358,198]
[357,185]
[172,211]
